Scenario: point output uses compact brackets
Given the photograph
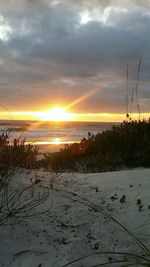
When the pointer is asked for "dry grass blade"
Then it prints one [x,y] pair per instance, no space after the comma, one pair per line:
[96,207]
[136,87]
[130,258]
[144,260]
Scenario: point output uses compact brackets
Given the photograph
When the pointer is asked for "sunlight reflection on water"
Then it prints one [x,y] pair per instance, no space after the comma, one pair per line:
[52,136]
[56,141]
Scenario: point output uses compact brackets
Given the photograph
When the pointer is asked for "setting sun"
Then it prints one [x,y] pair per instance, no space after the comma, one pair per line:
[57,114]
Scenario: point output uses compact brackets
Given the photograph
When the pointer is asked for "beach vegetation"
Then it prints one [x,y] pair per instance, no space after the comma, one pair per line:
[19,196]
[126,145]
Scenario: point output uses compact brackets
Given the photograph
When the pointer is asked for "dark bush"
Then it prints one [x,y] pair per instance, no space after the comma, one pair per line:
[18,199]
[15,154]
[125,145]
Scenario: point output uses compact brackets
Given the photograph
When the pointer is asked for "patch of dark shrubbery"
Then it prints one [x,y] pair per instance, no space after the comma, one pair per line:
[125,145]
[19,199]
[15,154]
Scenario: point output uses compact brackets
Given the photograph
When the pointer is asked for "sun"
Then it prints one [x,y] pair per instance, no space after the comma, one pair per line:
[57,114]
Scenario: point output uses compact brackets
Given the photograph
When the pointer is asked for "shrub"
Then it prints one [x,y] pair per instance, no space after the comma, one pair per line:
[18,198]
[124,145]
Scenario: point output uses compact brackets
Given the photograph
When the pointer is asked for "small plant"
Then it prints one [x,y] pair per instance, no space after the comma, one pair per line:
[123,199]
[96,188]
[113,198]
[96,246]
[138,202]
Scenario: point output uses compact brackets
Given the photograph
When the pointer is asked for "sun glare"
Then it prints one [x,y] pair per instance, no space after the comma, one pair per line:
[57,114]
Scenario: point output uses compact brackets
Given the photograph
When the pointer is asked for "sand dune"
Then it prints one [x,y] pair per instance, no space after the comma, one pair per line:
[75,226]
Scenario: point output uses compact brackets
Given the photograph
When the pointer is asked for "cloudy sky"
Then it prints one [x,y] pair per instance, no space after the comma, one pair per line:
[53,52]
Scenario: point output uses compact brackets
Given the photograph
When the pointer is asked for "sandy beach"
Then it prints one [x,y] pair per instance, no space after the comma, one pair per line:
[76,225]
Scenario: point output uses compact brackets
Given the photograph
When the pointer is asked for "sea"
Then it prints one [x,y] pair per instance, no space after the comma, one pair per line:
[51,136]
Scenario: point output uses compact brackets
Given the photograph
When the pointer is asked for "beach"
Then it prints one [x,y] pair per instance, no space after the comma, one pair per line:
[74,133]
[80,221]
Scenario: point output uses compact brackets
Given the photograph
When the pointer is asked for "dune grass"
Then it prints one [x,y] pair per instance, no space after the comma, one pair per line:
[120,257]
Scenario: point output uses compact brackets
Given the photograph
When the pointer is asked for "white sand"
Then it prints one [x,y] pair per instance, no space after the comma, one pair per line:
[73,229]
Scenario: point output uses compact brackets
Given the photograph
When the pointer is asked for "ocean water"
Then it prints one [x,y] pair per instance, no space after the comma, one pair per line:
[51,136]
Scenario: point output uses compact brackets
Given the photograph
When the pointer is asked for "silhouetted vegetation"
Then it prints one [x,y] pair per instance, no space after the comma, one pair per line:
[18,199]
[15,153]
[125,145]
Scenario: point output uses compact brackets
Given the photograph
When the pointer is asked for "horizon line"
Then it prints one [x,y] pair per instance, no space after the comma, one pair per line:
[80,117]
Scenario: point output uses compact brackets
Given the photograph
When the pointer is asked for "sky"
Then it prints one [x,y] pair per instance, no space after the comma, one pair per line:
[74,54]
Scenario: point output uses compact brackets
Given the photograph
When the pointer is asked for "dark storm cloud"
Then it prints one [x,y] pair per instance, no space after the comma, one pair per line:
[45,51]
